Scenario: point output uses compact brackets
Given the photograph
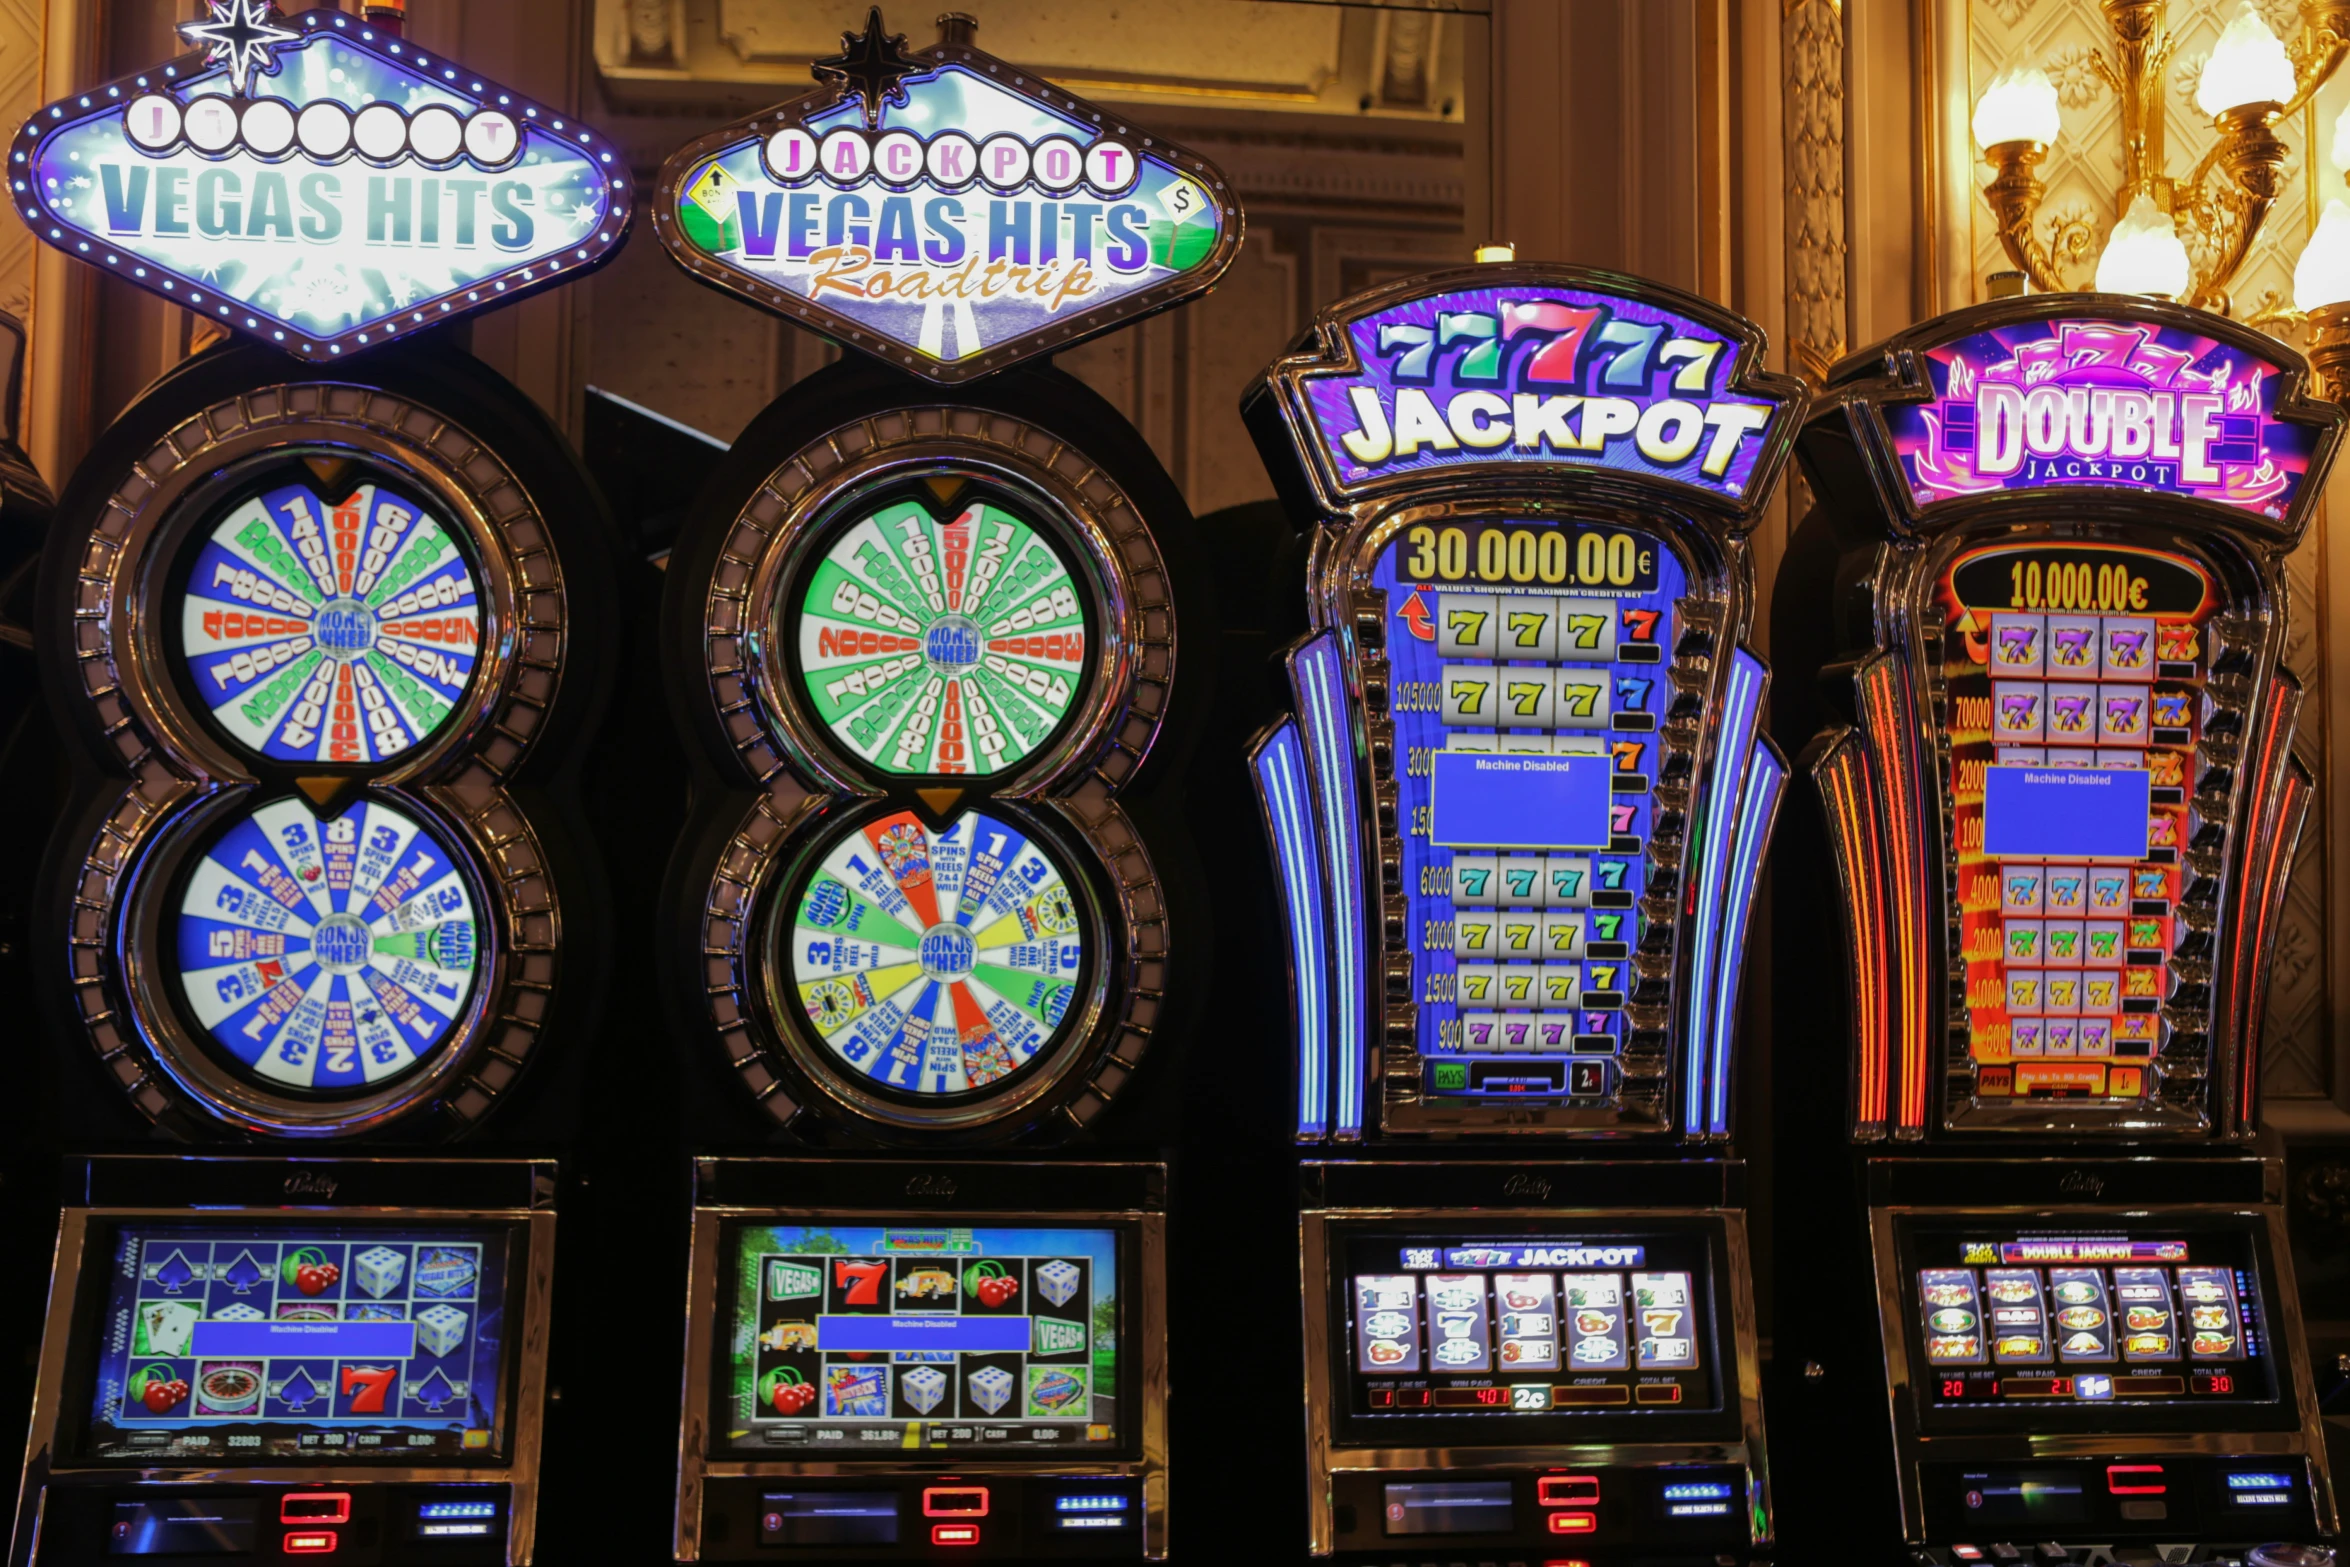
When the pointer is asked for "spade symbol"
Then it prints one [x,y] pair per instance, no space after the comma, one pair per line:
[298,1391]
[434,1393]
[175,1273]
[244,1274]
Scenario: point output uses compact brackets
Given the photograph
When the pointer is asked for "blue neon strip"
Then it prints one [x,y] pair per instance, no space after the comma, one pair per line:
[1317,675]
[1708,1031]
[1766,778]
[1285,795]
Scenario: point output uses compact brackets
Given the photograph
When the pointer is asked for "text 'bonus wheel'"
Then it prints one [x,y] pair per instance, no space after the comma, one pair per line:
[331,957]
[936,967]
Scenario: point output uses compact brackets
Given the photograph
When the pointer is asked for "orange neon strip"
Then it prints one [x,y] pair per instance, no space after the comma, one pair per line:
[1885,714]
[1843,780]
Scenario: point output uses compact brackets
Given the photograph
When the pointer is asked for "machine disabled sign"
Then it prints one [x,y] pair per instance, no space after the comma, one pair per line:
[319,184]
[945,211]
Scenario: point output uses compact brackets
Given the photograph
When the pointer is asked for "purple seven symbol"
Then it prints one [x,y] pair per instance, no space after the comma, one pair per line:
[2015,643]
[2019,711]
[2072,647]
[2072,713]
[2121,713]
[2130,644]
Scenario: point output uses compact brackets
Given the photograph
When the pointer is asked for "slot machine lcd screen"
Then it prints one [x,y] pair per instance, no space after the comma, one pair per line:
[249,1342]
[1525,1336]
[866,1340]
[2101,1321]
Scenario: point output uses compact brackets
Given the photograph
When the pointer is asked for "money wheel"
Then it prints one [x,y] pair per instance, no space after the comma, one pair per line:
[928,643]
[314,632]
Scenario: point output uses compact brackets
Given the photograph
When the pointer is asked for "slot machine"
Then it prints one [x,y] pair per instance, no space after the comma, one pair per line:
[2060,801]
[1517,817]
[923,630]
[322,622]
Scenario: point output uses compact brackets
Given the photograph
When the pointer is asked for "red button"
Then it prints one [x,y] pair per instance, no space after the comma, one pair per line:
[2135,1479]
[1567,1490]
[955,1501]
[1574,1523]
[320,1542]
[314,1507]
[954,1534]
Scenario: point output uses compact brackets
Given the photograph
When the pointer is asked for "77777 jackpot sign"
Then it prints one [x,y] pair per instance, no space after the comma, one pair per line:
[1520,809]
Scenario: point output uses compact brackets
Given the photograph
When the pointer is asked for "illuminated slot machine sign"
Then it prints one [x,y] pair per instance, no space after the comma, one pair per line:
[928,634]
[867,1369]
[1520,808]
[311,595]
[2072,751]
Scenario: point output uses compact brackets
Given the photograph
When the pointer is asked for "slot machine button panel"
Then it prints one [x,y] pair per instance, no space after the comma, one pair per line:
[2135,1480]
[954,1534]
[314,1507]
[313,1542]
[1574,1523]
[955,1501]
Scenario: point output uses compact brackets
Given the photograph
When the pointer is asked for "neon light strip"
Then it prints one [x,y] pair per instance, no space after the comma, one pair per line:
[1842,775]
[1758,805]
[1882,685]
[2281,792]
[1708,1031]
[1286,797]
[1317,677]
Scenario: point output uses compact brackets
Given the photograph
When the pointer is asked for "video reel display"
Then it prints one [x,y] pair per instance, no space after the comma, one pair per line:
[320,626]
[937,662]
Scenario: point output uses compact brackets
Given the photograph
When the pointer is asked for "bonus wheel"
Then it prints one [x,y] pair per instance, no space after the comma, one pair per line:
[936,972]
[325,957]
[934,644]
[337,633]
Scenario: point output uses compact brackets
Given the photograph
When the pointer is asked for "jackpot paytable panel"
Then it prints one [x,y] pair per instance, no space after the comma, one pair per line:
[1527,713]
[2075,675]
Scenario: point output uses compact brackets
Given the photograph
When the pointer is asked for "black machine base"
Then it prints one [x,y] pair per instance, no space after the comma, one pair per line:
[347,1520]
[923,1517]
[1659,1516]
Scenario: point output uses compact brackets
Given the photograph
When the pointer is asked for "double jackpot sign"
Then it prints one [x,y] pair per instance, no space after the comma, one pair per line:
[313,624]
[1519,811]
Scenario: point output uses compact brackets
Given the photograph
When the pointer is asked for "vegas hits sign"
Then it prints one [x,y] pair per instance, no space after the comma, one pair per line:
[1489,369]
[969,219]
[357,188]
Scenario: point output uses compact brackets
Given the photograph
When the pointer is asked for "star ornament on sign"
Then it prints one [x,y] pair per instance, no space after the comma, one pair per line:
[240,36]
[874,67]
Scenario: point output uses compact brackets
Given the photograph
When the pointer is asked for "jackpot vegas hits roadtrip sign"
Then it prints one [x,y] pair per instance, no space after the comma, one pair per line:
[318,184]
[945,211]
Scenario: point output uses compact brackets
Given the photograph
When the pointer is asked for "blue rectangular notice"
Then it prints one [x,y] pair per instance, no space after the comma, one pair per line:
[963,1335]
[2064,813]
[1480,800]
[338,1340]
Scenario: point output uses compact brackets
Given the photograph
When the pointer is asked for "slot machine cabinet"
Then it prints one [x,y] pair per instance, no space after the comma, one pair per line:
[2060,802]
[923,621]
[312,605]
[266,1360]
[1032,1427]
[1517,818]
[925,626]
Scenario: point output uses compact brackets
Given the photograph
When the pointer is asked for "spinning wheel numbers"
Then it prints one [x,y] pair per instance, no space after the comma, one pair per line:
[940,647]
[326,955]
[316,633]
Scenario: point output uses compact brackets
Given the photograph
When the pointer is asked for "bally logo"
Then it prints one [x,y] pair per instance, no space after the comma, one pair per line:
[310,1183]
[1525,1185]
[2080,1183]
[930,1186]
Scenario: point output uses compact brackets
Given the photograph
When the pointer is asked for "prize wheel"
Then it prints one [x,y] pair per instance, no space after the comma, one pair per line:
[936,639]
[328,629]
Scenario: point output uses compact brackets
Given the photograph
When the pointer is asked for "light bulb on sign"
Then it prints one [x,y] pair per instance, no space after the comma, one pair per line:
[2247,66]
[2143,254]
[2019,105]
[2322,276]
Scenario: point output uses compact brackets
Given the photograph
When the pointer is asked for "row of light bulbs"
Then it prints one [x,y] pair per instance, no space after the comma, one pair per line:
[2248,67]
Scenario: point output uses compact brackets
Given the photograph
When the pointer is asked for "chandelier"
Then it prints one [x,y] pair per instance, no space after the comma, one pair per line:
[2252,81]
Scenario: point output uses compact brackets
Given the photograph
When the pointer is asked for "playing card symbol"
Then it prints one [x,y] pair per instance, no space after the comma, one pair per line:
[244,1273]
[174,1273]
